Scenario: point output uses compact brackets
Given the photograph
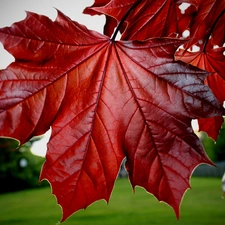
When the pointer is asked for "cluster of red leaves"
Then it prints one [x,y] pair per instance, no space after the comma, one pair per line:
[106,99]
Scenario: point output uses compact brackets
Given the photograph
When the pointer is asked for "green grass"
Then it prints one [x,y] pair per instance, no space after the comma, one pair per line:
[202,205]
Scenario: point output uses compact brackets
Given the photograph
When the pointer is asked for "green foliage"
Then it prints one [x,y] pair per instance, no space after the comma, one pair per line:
[209,146]
[19,168]
[220,145]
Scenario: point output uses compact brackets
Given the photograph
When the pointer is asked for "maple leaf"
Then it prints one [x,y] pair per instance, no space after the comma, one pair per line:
[148,18]
[105,100]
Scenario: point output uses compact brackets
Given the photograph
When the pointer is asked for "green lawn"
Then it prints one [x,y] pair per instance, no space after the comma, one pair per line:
[202,205]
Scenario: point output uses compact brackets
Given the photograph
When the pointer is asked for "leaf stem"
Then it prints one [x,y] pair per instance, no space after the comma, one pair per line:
[124,18]
[211,30]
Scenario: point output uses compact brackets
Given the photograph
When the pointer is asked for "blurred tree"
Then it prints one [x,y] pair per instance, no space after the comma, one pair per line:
[19,168]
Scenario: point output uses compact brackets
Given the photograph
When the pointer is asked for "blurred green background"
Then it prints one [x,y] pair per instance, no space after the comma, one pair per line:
[19,168]
[202,205]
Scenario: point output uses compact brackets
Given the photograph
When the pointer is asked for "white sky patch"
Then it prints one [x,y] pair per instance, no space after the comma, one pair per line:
[183,7]
[186,34]
[39,148]
[194,124]
[5,57]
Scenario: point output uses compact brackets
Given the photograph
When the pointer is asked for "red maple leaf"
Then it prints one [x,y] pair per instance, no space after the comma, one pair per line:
[105,100]
[148,19]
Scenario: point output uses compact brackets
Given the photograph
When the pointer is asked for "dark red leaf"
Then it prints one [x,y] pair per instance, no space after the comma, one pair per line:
[211,60]
[104,100]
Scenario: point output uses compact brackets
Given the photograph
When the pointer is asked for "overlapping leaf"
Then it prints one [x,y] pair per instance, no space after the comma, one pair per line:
[164,18]
[205,15]
[211,60]
[205,27]
[148,18]
[104,100]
